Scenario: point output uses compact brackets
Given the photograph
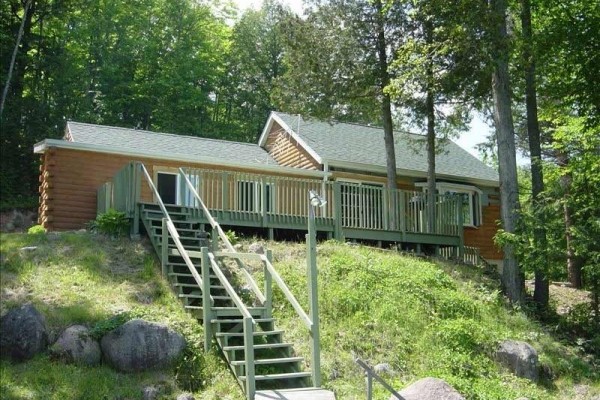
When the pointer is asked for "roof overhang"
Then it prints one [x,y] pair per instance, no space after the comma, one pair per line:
[273,117]
[358,167]
[41,147]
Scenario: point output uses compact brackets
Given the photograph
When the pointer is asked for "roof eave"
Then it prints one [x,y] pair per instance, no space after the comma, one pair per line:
[410,173]
[41,147]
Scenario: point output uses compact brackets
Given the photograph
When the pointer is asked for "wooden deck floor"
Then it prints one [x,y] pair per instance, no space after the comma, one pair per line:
[295,394]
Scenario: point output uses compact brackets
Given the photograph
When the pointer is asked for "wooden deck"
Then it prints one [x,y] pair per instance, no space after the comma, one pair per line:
[353,211]
[295,394]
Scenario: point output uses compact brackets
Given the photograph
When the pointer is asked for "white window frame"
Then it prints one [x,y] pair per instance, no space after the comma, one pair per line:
[188,200]
[472,191]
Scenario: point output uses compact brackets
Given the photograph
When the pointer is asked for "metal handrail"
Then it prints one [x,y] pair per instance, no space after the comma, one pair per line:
[372,374]
[288,294]
[213,223]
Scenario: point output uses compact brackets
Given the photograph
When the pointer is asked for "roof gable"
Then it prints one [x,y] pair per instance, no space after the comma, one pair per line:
[360,146]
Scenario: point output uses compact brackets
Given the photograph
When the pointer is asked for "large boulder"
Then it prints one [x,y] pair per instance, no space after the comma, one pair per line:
[139,345]
[75,345]
[520,358]
[429,389]
[23,333]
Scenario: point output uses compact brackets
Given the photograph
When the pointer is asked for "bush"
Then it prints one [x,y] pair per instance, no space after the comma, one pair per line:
[36,230]
[112,223]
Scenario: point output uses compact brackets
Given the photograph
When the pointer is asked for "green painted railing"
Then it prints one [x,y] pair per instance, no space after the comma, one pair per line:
[280,199]
[121,193]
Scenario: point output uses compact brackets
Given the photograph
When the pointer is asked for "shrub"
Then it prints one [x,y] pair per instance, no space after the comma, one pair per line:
[36,230]
[112,223]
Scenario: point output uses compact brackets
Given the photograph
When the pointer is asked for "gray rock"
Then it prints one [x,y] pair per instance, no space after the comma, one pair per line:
[23,333]
[150,393]
[139,345]
[383,368]
[28,248]
[429,389]
[256,248]
[75,345]
[186,396]
[520,358]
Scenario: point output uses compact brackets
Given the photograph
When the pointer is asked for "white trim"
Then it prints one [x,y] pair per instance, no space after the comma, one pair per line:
[44,145]
[276,118]
[444,187]
[454,186]
[361,182]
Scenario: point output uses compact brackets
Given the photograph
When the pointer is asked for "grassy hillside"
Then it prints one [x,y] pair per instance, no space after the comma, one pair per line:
[423,319]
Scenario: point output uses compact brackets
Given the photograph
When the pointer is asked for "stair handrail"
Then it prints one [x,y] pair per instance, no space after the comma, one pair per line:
[248,326]
[230,290]
[372,374]
[215,225]
[287,292]
[173,231]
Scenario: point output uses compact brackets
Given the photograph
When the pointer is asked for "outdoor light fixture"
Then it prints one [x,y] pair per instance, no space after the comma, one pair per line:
[315,199]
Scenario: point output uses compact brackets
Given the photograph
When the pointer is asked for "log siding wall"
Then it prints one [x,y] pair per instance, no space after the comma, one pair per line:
[286,151]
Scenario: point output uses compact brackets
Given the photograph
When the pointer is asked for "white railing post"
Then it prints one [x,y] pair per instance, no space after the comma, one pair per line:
[268,285]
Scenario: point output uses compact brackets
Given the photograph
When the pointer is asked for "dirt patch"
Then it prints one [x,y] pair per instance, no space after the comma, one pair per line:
[564,296]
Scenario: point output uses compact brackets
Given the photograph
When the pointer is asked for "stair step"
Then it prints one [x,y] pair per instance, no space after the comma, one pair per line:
[241,334]
[288,375]
[193,285]
[199,296]
[258,346]
[266,361]
[239,320]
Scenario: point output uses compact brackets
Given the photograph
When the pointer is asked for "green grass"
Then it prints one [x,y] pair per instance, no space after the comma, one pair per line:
[80,278]
[423,318]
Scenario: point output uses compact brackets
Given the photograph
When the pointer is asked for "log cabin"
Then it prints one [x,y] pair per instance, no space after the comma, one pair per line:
[265,185]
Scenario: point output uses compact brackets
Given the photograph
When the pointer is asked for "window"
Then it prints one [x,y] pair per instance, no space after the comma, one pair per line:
[249,196]
[470,196]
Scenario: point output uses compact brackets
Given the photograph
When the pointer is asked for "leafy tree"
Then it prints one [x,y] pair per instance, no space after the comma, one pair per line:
[337,61]
[439,71]
[512,278]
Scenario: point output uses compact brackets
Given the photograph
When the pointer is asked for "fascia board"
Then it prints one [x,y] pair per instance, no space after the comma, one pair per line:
[262,141]
[410,173]
[42,146]
[297,138]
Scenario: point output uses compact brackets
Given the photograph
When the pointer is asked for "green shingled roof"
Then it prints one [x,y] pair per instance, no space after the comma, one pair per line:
[360,144]
[136,140]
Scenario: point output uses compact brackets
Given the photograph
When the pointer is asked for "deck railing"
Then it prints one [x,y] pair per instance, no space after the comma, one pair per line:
[283,199]
[269,200]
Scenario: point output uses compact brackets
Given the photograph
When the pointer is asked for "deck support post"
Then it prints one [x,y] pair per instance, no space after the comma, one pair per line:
[337,211]
[137,188]
[214,239]
[268,286]
[249,356]
[311,244]
[461,229]
[206,306]
[271,234]
[164,248]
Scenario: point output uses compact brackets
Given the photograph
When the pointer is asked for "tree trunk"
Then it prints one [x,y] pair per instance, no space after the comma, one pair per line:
[541,292]
[430,110]
[512,278]
[14,57]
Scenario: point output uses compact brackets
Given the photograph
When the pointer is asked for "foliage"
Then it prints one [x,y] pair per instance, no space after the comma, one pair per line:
[78,278]
[36,230]
[112,223]
[421,318]
[231,236]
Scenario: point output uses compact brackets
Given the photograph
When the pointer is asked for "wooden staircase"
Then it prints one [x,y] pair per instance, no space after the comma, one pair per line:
[269,363]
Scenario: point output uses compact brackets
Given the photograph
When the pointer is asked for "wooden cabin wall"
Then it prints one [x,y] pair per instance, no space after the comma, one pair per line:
[286,151]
